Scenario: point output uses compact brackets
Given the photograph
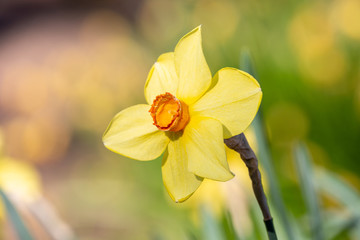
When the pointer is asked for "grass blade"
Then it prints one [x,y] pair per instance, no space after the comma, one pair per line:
[336,188]
[305,170]
[211,227]
[338,223]
[15,219]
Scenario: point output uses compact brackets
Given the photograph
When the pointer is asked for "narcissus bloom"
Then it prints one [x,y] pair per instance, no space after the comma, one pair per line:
[188,115]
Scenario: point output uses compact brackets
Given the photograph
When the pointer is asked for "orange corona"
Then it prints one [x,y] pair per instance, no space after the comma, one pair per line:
[169,113]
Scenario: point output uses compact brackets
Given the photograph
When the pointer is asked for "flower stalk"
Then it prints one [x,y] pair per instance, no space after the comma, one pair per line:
[240,144]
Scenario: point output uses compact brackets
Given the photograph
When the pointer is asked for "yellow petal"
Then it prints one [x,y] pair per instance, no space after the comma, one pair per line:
[178,181]
[162,77]
[131,133]
[193,71]
[205,149]
[234,100]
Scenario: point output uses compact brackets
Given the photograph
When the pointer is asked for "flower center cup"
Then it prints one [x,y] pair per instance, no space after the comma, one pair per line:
[169,113]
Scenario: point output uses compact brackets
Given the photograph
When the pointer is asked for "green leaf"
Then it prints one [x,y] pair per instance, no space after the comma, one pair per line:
[256,216]
[228,226]
[15,219]
[280,230]
[266,160]
[336,188]
[338,223]
[305,170]
[211,227]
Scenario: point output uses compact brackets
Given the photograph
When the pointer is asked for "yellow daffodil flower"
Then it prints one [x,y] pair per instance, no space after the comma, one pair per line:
[188,115]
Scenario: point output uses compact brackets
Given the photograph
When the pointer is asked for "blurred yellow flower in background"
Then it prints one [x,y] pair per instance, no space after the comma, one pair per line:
[21,182]
[313,37]
[18,178]
[347,18]
[190,114]
[234,196]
